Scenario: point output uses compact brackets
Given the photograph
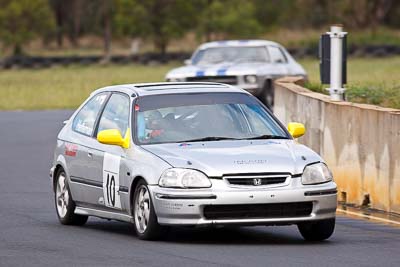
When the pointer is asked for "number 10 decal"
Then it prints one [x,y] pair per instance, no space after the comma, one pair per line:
[111,195]
[110,187]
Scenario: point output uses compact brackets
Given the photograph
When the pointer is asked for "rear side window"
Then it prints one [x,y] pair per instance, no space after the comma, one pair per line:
[276,55]
[115,114]
[85,120]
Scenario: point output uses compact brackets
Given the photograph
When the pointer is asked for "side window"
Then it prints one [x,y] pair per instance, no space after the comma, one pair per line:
[85,119]
[276,55]
[115,114]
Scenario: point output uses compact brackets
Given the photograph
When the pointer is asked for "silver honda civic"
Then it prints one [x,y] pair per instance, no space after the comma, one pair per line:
[188,154]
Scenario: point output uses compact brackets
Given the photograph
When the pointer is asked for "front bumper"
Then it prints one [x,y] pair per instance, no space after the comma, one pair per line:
[186,206]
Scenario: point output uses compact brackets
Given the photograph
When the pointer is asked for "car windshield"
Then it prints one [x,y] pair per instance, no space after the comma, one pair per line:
[235,54]
[180,118]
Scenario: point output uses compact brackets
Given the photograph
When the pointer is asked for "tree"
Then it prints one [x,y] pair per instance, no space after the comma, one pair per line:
[106,14]
[233,18]
[158,20]
[22,21]
[273,13]
[59,10]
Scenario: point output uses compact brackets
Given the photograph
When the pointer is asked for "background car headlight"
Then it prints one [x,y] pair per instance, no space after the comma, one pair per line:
[250,79]
[184,178]
[316,174]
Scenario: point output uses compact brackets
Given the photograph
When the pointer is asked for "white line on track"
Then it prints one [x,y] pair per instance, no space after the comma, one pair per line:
[368,216]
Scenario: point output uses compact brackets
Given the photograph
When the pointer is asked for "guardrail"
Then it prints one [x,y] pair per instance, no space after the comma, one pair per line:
[146,58]
[352,50]
[44,62]
[360,143]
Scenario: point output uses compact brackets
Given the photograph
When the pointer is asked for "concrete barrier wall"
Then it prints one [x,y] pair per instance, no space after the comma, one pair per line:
[360,143]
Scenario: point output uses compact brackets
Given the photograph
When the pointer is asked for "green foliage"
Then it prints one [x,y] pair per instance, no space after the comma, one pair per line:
[234,18]
[23,20]
[316,87]
[161,21]
[273,13]
[368,94]
[158,20]
[370,80]
[375,95]
[128,19]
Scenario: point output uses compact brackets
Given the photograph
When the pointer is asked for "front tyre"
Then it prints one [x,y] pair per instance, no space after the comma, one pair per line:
[317,231]
[268,94]
[145,218]
[65,206]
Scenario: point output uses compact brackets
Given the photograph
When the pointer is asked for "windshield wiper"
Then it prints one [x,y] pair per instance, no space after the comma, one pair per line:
[266,136]
[209,138]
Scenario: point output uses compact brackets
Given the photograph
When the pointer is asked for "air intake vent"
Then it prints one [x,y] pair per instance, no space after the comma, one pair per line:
[258,211]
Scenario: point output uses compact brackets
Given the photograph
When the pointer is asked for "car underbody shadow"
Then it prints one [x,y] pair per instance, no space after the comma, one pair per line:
[258,235]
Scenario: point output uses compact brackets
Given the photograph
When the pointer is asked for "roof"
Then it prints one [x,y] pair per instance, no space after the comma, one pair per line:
[142,89]
[225,43]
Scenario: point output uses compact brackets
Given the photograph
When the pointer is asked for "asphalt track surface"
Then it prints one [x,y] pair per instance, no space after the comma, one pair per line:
[30,234]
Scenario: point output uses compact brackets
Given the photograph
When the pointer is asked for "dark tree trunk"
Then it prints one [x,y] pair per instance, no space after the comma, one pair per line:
[76,22]
[59,17]
[107,36]
[208,26]
[18,50]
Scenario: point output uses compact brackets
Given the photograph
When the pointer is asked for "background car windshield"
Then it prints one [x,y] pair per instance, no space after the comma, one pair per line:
[165,119]
[237,54]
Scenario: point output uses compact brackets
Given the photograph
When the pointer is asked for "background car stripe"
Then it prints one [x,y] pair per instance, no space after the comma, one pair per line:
[200,73]
[221,72]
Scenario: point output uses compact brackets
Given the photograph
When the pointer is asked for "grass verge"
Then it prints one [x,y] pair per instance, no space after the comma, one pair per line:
[67,87]
[370,80]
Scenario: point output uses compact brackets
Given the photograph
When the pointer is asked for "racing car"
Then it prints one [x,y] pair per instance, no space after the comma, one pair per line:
[252,65]
[188,154]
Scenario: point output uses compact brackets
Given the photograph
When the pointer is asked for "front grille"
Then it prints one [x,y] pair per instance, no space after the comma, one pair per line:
[250,179]
[258,211]
[261,181]
[218,79]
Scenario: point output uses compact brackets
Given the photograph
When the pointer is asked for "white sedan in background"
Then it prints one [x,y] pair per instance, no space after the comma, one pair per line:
[250,64]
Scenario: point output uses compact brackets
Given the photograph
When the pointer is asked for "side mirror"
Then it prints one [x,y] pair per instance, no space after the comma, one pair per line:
[114,137]
[296,129]
[187,62]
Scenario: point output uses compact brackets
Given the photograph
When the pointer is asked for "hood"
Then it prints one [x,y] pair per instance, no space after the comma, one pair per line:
[227,68]
[230,157]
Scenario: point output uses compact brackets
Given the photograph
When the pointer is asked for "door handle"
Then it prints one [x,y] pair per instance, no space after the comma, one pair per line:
[90,154]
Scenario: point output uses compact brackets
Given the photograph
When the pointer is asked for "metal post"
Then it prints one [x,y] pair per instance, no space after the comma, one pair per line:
[336,89]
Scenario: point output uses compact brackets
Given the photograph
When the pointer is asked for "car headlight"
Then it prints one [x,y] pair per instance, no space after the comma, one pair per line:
[250,79]
[184,178]
[316,174]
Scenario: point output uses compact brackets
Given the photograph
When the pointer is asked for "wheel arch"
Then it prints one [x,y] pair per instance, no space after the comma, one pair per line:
[132,188]
[57,169]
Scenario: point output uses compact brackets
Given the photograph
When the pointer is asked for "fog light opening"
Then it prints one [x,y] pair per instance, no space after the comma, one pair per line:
[343,199]
[366,201]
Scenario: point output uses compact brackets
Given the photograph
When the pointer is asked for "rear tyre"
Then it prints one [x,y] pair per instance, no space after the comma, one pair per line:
[317,231]
[145,218]
[65,206]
